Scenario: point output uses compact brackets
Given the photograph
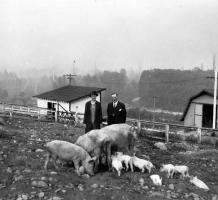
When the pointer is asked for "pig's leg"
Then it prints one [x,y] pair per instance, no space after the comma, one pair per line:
[131,165]
[127,165]
[109,156]
[76,165]
[143,169]
[54,159]
[97,153]
[48,156]
[119,173]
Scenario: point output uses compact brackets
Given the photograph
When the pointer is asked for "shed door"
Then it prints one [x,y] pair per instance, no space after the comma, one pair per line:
[198,115]
[207,116]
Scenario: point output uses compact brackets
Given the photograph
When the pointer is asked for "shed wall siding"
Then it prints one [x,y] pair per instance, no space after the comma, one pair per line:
[81,104]
[193,113]
[189,118]
[42,103]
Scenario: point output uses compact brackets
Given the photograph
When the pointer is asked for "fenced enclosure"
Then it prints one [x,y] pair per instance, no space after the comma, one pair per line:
[37,113]
[167,132]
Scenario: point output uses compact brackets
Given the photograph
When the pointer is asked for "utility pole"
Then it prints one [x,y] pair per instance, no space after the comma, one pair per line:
[69,77]
[154,105]
[215,91]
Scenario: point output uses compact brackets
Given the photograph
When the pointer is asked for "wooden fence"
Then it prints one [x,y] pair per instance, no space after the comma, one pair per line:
[170,130]
[38,113]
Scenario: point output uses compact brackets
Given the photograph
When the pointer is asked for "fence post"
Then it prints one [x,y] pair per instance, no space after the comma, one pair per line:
[38,114]
[56,116]
[167,127]
[199,135]
[10,115]
[139,127]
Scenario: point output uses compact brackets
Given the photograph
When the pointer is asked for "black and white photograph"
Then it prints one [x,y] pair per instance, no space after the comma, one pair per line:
[108,99]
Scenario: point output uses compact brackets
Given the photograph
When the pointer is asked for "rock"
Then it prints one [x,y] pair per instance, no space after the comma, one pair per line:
[161,146]
[195,196]
[145,187]
[85,176]
[171,186]
[157,194]
[181,188]
[214,197]
[43,178]
[41,194]
[9,170]
[39,150]
[27,170]
[18,178]
[24,196]
[141,181]
[40,184]
[95,185]
[80,187]
[17,172]
[55,198]
[53,173]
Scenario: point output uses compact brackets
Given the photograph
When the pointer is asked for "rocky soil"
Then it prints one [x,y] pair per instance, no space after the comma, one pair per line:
[22,176]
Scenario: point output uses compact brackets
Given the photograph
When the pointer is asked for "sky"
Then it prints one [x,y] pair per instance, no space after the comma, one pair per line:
[107,34]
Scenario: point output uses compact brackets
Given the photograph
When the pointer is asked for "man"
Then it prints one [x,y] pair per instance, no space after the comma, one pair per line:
[116,111]
[93,113]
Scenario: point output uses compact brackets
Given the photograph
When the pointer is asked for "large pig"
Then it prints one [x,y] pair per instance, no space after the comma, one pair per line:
[68,152]
[119,136]
[94,142]
[122,138]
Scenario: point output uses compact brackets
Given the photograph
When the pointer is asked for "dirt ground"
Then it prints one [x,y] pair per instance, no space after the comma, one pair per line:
[22,176]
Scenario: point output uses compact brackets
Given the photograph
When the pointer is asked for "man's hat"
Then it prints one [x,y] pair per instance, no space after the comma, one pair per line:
[93,93]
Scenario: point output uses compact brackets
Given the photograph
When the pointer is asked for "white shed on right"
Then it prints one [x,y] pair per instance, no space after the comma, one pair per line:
[199,110]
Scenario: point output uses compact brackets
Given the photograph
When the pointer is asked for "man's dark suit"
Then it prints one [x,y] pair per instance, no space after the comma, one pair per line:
[87,116]
[116,115]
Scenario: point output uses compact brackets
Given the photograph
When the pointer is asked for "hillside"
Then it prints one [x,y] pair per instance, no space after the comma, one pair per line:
[173,88]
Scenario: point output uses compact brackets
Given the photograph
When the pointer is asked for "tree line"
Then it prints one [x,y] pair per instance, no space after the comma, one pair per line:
[172,88]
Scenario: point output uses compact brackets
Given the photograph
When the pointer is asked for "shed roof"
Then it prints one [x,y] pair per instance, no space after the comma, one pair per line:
[68,93]
[208,92]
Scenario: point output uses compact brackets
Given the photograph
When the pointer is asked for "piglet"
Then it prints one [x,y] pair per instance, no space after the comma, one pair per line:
[126,159]
[156,179]
[116,164]
[182,169]
[141,164]
[169,169]
[68,152]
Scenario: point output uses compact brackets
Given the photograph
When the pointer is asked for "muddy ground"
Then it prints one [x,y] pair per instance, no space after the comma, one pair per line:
[22,175]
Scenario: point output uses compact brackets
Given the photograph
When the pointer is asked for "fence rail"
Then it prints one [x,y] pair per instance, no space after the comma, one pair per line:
[168,130]
[40,113]
[171,130]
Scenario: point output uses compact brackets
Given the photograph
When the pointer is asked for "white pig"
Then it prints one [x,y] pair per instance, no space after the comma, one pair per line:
[126,159]
[141,164]
[156,179]
[116,164]
[181,169]
[68,152]
[169,169]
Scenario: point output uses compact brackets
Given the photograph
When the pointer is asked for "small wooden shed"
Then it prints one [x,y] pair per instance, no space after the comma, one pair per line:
[199,110]
[68,98]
